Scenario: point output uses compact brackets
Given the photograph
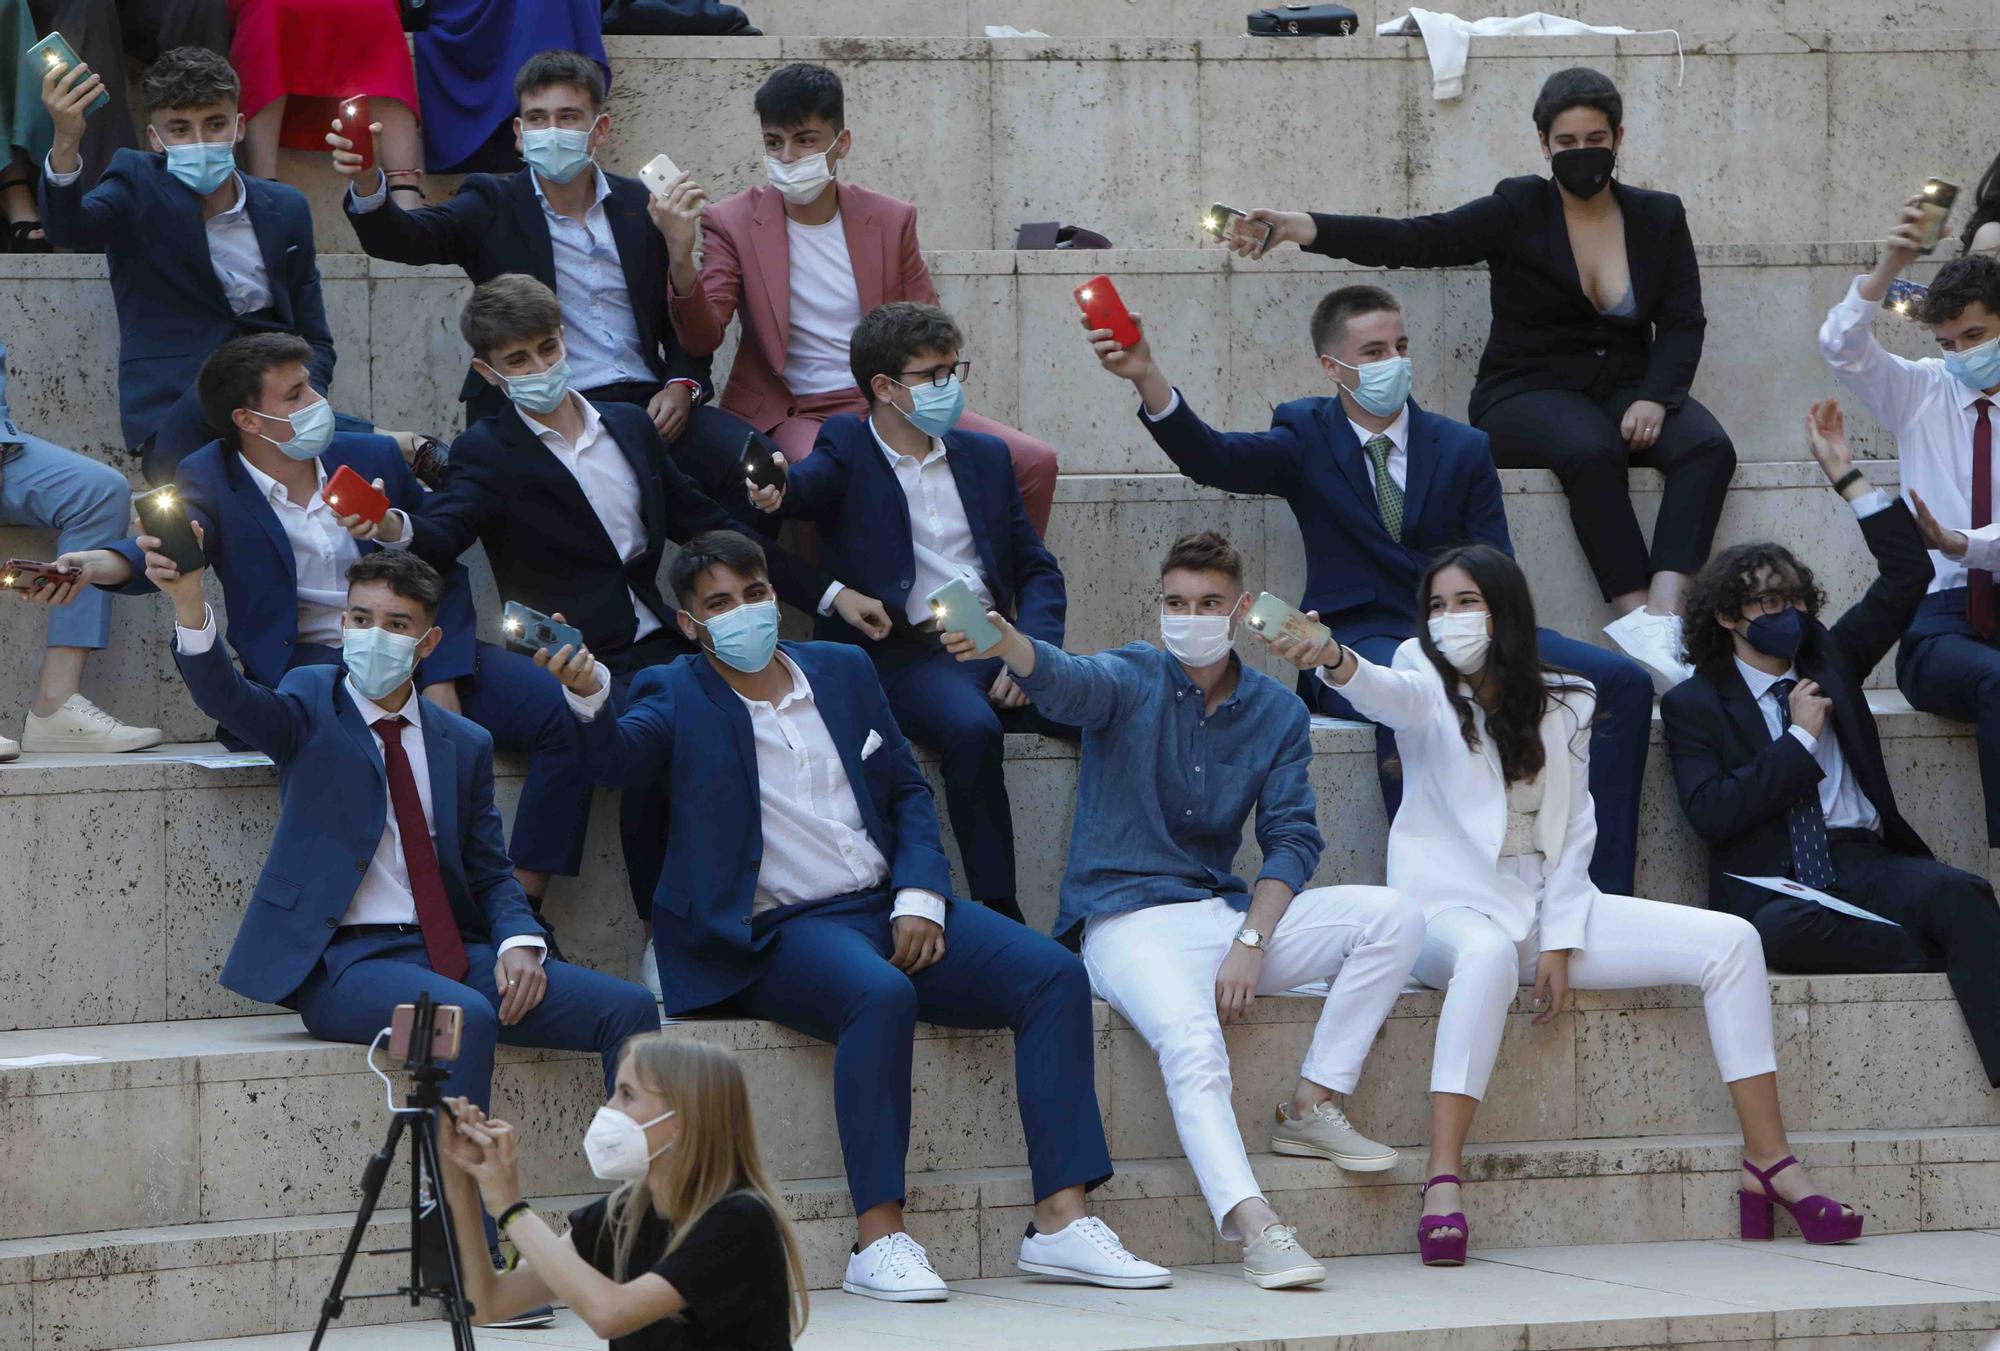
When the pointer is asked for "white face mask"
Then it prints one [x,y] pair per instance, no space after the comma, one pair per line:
[1196,640]
[1463,638]
[615,1144]
[803,180]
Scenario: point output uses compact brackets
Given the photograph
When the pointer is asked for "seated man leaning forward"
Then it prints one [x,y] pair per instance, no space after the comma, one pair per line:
[805,883]
[1178,747]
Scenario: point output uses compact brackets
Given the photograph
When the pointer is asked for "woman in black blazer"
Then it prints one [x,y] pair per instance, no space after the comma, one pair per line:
[1597,331]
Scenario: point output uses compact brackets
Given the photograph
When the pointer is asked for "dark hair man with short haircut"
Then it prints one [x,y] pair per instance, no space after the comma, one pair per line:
[572,70]
[407,577]
[1779,766]
[1578,87]
[1944,413]
[790,376]
[1204,551]
[911,460]
[188,78]
[233,377]
[1378,484]
[717,549]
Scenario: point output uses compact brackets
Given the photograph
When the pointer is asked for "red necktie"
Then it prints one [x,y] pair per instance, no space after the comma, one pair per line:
[441,940]
[1979,582]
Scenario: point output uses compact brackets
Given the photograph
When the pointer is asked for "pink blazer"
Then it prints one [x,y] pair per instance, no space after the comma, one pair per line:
[746,271]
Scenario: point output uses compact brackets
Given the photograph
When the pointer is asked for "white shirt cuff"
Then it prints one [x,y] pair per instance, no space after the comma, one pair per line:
[540,945]
[923,904]
[363,205]
[194,642]
[1164,413]
[586,707]
[826,601]
[1870,503]
[61,180]
[401,541]
[1805,738]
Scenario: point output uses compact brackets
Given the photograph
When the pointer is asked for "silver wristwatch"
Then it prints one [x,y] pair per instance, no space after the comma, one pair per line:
[1249,937]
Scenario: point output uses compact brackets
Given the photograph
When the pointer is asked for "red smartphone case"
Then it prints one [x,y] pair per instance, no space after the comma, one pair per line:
[1104,308]
[351,495]
[24,574]
[354,126]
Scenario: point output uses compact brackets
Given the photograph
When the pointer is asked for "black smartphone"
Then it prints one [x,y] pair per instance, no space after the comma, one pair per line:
[763,463]
[163,514]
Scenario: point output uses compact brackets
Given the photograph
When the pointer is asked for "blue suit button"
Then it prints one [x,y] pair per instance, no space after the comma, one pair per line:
[361,865]
[746,919]
[333,924]
[904,585]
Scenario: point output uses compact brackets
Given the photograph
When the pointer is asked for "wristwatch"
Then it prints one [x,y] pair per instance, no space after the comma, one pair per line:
[1249,937]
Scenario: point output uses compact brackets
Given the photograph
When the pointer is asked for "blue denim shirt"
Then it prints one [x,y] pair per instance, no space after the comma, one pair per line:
[1165,789]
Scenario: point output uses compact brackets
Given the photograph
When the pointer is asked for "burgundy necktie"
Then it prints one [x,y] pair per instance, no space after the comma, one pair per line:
[1979,582]
[441,940]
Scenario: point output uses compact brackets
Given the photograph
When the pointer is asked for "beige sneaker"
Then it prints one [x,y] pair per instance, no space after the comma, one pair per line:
[80,727]
[9,750]
[1326,1133]
[1273,1260]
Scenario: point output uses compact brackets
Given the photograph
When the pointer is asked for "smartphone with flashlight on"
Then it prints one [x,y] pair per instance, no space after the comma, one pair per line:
[1221,216]
[52,53]
[763,463]
[1935,200]
[352,495]
[957,610]
[1105,308]
[163,515]
[23,574]
[1905,297]
[1271,619]
[354,126]
[529,631]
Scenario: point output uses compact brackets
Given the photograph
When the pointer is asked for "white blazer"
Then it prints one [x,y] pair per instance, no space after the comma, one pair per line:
[1444,847]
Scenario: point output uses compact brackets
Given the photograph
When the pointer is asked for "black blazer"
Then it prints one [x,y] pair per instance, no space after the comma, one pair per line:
[1736,784]
[547,549]
[1546,332]
[493,225]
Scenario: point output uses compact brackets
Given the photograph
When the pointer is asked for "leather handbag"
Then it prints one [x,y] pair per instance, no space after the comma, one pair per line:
[1302,21]
[1050,234]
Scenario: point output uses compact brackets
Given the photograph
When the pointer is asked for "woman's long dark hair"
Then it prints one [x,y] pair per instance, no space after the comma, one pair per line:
[1985,205]
[1512,662]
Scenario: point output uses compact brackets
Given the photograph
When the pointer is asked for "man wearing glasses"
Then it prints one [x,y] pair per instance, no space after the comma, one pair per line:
[908,501]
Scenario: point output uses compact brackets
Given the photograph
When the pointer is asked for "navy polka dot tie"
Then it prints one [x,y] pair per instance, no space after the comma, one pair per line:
[1811,863]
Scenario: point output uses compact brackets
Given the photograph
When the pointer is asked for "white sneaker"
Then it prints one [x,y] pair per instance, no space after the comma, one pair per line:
[80,727]
[9,750]
[646,971]
[1273,1260]
[1086,1250]
[894,1268]
[1326,1133]
[1654,641]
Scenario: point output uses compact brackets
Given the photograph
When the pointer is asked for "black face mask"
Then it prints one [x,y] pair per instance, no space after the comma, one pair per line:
[1583,172]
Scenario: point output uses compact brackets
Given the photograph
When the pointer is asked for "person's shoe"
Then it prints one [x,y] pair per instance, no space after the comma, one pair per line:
[9,750]
[1273,1260]
[1654,641]
[646,971]
[894,1268]
[1326,1133]
[80,727]
[1086,1250]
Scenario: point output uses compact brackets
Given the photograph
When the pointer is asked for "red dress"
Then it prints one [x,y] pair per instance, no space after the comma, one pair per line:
[317,52]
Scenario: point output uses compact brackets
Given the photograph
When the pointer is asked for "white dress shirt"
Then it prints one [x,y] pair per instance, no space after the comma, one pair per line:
[609,485]
[1841,800]
[233,250]
[1924,406]
[825,308]
[1982,547]
[940,532]
[816,845]
[383,895]
[321,553]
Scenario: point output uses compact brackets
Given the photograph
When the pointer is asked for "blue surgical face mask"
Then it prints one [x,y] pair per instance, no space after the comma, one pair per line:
[744,638]
[203,166]
[544,391]
[377,660]
[1976,367]
[312,430]
[1779,635]
[556,153]
[1380,387]
[935,409]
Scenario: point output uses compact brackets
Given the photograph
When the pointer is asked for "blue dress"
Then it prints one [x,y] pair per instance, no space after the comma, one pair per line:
[465,72]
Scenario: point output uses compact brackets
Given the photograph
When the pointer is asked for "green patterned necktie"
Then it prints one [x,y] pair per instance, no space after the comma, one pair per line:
[1388,496]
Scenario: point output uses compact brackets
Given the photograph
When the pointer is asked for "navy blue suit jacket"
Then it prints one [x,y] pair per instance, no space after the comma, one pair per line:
[172,313]
[1362,582]
[849,488]
[335,803]
[684,726]
[496,224]
[252,558]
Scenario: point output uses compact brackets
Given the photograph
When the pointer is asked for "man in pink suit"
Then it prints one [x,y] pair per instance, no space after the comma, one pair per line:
[802,260]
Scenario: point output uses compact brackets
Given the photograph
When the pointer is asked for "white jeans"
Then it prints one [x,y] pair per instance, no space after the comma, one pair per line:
[1157,968]
[1627,943]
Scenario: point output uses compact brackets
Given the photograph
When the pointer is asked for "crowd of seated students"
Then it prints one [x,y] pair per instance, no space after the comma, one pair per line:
[783,849]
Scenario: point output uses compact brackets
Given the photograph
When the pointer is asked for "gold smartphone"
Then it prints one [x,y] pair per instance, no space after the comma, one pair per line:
[1937,196]
[1272,619]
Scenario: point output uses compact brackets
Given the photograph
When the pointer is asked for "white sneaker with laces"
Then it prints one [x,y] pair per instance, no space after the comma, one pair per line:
[646,971]
[9,750]
[1654,641]
[895,1268]
[80,727]
[1326,1133]
[1273,1260]
[1087,1250]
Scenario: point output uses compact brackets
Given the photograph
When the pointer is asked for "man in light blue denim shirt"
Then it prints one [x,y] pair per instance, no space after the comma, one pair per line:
[1179,747]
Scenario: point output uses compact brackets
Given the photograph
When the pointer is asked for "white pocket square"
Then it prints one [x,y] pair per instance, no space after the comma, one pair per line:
[872,744]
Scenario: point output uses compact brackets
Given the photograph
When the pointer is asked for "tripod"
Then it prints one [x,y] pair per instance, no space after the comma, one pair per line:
[419,1118]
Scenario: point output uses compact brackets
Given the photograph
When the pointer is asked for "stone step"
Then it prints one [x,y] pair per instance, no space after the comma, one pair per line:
[1908,1292]
[113,841]
[249,1118]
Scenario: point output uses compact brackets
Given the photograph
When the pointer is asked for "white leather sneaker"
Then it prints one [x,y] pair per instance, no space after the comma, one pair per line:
[1086,1250]
[9,750]
[1273,1260]
[1326,1133]
[1654,641]
[646,971]
[895,1268]
[80,727]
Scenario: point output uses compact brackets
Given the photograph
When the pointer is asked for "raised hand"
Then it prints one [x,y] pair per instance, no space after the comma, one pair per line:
[1950,543]
[1826,438]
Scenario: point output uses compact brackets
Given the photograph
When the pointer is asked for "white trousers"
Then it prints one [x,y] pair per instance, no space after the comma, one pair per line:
[1627,943]
[1157,968]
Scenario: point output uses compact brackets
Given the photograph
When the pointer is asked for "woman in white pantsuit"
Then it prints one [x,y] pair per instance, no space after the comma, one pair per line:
[1494,838]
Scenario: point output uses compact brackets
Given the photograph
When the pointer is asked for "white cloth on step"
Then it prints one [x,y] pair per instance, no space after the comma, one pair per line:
[1447,39]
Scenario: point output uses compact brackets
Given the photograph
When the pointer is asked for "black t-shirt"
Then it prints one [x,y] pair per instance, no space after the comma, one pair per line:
[731,1270]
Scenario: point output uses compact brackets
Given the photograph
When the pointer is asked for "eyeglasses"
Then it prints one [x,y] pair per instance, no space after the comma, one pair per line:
[1769,603]
[939,375]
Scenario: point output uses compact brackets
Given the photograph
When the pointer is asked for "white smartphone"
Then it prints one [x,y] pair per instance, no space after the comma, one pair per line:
[659,175]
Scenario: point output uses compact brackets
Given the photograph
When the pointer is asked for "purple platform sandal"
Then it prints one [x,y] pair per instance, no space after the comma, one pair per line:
[1821,1219]
[1448,1251]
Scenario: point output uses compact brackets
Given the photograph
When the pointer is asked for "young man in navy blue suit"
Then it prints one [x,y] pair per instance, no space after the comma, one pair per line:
[907,501]
[387,877]
[280,549]
[806,884]
[1378,485]
[198,252]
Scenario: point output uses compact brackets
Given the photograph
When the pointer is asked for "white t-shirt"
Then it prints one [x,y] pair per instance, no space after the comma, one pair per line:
[826,306]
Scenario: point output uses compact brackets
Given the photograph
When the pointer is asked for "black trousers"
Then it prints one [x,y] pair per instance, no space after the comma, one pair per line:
[1575,433]
[1950,923]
